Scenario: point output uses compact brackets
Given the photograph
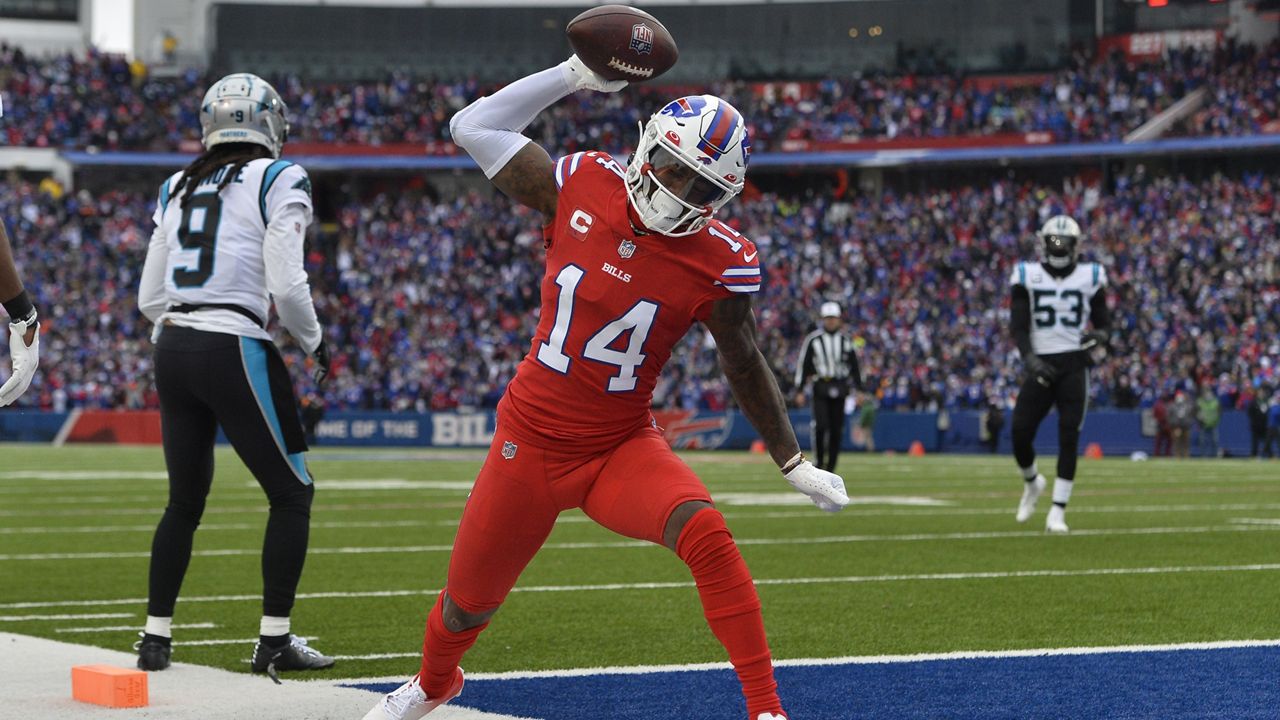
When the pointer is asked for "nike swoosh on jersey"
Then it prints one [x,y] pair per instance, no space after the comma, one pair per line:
[750,257]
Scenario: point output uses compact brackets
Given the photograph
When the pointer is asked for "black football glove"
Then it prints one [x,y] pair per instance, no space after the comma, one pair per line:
[1040,370]
[321,369]
[1094,344]
[1095,339]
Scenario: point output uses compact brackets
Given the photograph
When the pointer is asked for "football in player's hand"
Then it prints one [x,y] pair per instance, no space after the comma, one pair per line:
[622,43]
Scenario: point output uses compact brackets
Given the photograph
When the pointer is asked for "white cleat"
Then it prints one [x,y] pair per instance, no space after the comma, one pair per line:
[1030,494]
[771,716]
[409,702]
[1057,521]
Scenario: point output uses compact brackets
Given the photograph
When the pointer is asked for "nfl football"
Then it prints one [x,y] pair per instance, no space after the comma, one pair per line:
[622,43]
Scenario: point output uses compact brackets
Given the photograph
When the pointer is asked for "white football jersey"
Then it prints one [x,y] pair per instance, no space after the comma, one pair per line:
[215,243]
[1059,306]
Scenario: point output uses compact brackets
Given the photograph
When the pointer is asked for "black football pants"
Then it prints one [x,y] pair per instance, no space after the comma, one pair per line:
[206,380]
[827,427]
[1069,392]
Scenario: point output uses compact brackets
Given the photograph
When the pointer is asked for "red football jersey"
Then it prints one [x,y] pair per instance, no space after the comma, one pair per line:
[614,304]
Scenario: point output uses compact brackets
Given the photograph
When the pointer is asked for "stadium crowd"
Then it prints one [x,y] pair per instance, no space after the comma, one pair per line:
[430,304]
[105,102]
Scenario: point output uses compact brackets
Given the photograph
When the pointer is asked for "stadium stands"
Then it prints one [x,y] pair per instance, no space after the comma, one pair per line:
[429,304]
[105,102]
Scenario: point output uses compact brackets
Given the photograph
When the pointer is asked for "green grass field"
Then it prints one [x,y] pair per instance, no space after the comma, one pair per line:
[928,560]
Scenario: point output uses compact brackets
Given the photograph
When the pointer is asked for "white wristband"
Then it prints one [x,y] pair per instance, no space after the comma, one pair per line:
[793,463]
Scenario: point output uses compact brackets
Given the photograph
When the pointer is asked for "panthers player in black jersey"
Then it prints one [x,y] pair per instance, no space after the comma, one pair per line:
[1054,303]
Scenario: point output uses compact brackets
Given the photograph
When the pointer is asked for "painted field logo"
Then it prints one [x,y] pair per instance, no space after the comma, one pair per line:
[508,449]
[641,39]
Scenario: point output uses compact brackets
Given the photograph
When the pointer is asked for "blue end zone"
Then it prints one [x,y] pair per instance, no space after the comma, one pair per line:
[1233,684]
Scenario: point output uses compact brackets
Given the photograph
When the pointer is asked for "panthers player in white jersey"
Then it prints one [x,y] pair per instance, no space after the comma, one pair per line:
[1054,303]
[228,240]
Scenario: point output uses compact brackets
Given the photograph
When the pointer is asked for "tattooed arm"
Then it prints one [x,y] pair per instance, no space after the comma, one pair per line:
[733,325]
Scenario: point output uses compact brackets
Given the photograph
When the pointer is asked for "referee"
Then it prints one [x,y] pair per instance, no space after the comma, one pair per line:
[828,361]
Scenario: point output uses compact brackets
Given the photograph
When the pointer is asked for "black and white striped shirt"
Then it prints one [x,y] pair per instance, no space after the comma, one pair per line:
[828,357]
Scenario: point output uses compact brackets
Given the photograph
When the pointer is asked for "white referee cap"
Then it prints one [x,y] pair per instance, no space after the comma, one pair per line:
[830,309]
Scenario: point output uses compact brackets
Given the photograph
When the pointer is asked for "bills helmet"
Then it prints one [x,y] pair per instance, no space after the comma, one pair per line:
[698,145]
[1061,236]
[244,108]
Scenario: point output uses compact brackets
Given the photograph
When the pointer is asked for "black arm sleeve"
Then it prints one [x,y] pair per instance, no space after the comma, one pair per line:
[1020,319]
[855,372]
[804,367]
[1099,313]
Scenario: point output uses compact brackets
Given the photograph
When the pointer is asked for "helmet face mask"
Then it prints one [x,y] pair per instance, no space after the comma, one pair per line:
[1060,250]
[244,108]
[690,161]
[1061,238]
[687,184]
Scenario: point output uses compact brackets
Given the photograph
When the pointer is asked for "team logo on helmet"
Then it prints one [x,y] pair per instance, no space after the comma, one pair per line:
[626,249]
[641,39]
[684,107]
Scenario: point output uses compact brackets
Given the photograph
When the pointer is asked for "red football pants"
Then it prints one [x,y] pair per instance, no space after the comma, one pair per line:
[632,490]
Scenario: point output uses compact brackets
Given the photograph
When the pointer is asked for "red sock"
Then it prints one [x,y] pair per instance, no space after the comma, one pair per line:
[731,606]
[442,650]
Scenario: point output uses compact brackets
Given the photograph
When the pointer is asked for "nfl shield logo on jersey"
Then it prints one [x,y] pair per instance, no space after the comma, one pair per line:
[626,249]
[642,38]
[508,449]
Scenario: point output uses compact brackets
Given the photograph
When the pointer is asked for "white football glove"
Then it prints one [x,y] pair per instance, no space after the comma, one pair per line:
[582,77]
[825,489]
[25,358]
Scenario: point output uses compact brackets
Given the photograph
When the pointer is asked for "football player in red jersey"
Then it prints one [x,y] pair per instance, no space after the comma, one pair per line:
[634,259]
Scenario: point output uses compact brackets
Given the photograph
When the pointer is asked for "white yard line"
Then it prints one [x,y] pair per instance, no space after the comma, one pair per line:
[842,580]
[94,529]
[368,484]
[795,498]
[119,628]
[236,641]
[44,475]
[574,519]
[157,509]
[88,616]
[618,544]
[385,656]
